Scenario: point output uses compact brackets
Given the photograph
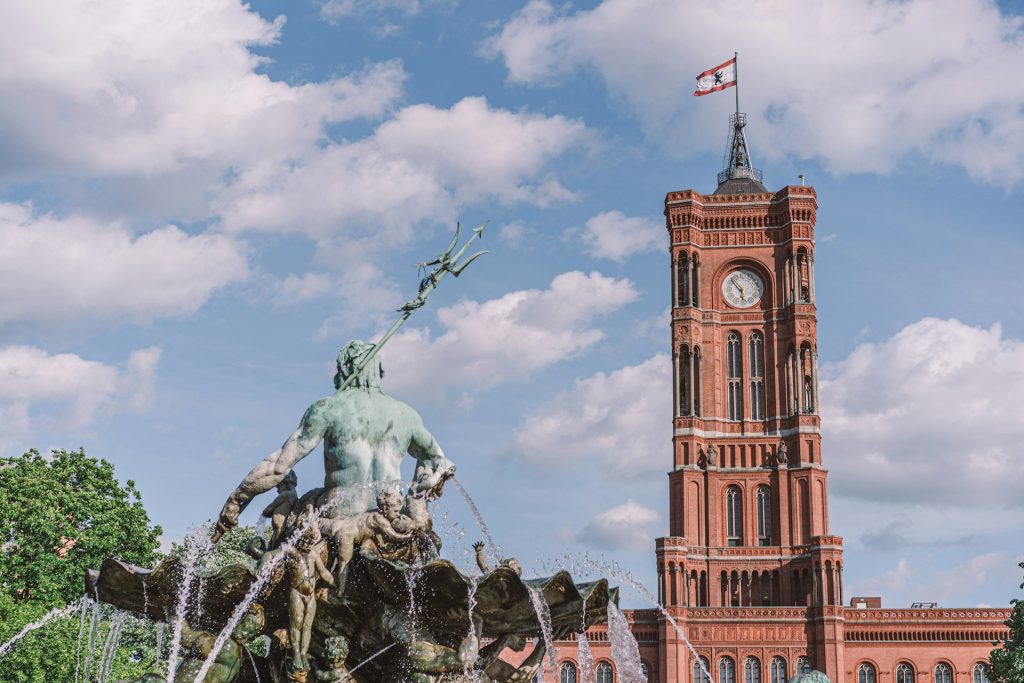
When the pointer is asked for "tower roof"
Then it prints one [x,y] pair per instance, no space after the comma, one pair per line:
[738,175]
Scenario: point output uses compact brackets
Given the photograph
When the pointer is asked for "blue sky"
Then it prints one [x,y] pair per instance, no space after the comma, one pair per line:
[201,201]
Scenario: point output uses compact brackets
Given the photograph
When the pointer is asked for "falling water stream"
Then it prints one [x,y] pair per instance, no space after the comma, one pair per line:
[90,645]
[39,623]
[540,606]
[81,632]
[491,547]
[617,572]
[625,650]
[199,543]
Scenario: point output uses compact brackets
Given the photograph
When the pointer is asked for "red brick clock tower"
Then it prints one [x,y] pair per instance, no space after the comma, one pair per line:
[749,566]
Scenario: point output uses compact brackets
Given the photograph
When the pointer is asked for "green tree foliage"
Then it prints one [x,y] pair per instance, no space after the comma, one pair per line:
[1007,663]
[59,516]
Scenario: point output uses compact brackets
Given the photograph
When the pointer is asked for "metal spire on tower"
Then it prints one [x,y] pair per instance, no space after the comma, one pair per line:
[738,175]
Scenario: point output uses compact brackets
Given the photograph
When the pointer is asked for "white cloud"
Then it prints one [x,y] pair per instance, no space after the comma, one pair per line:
[74,268]
[419,166]
[893,580]
[483,344]
[613,235]
[31,378]
[929,416]
[862,85]
[624,527]
[620,422]
[333,11]
[154,87]
[298,288]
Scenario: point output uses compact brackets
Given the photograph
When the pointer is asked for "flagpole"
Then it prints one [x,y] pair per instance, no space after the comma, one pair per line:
[736,70]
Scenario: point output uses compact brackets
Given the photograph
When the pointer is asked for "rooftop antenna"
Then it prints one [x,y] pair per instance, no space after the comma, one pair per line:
[803,179]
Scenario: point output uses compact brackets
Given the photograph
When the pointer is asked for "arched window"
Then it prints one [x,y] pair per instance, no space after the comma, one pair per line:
[980,673]
[779,670]
[764,515]
[756,366]
[604,673]
[943,673]
[752,670]
[904,673]
[726,670]
[702,671]
[803,665]
[646,671]
[866,673]
[567,673]
[734,356]
[734,516]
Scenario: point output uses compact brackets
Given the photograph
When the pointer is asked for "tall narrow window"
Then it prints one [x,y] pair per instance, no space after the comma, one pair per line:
[803,665]
[734,516]
[752,670]
[702,671]
[567,673]
[726,670]
[904,673]
[683,280]
[604,673]
[865,673]
[756,366]
[734,357]
[980,673]
[808,396]
[684,380]
[764,516]
[645,671]
[779,670]
[943,673]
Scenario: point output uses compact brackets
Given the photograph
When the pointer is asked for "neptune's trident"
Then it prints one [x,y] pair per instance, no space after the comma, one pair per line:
[445,263]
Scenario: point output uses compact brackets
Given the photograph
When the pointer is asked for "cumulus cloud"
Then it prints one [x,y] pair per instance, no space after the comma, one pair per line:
[156,87]
[624,527]
[483,344]
[418,166]
[620,420]
[928,417]
[861,85]
[75,268]
[613,235]
[30,378]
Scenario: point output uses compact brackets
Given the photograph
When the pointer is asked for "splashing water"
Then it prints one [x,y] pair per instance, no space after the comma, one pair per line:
[625,650]
[161,636]
[540,606]
[491,547]
[199,544]
[471,635]
[617,572]
[81,632]
[110,647]
[584,656]
[254,590]
[90,645]
[411,576]
[39,623]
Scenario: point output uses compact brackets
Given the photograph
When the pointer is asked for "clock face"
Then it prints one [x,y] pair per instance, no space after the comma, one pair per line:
[743,288]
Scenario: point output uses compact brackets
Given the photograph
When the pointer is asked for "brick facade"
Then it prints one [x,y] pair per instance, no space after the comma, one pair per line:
[750,569]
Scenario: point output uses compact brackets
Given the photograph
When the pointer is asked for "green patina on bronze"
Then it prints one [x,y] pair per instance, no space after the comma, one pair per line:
[357,590]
